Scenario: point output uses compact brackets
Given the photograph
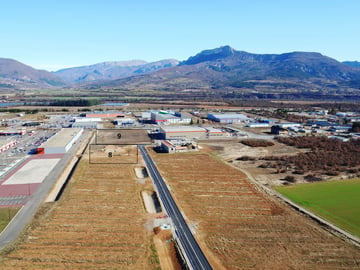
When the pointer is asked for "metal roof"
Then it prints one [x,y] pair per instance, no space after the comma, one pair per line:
[62,138]
[183,129]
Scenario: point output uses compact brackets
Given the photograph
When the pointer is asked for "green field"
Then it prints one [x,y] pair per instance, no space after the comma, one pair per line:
[335,201]
[6,214]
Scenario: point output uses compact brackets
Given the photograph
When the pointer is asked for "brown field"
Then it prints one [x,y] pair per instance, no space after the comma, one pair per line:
[122,136]
[113,154]
[97,224]
[240,227]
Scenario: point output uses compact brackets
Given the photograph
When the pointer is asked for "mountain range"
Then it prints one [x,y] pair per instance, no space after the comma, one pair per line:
[222,69]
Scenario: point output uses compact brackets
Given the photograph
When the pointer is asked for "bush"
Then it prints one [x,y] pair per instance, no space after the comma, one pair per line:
[245,158]
[290,178]
[257,143]
[312,178]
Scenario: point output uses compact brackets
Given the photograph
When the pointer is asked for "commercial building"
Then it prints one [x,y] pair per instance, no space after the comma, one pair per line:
[61,142]
[228,118]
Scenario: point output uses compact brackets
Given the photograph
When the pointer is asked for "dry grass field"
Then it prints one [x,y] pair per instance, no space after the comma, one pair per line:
[97,224]
[240,227]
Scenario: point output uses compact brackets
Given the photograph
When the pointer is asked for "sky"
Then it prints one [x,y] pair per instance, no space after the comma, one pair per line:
[55,34]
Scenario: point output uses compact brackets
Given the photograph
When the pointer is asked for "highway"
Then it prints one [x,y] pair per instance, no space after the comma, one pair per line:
[194,256]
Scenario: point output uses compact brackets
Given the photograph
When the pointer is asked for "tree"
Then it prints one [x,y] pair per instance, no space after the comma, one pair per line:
[356,127]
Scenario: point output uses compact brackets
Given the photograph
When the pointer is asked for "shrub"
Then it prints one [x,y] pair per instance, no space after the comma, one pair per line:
[245,158]
[257,143]
[312,178]
[290,178]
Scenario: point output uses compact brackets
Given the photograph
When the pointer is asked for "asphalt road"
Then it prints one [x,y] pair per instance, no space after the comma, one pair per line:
[26,213]
[193,253]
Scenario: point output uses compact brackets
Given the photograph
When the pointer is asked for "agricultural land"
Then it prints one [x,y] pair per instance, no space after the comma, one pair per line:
[98,223]
[335,201]
[240,227]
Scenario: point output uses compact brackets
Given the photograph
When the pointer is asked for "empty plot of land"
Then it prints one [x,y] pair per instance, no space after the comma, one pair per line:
[32,172]
[97,224]
[122,136]
[113,154]
[240,227]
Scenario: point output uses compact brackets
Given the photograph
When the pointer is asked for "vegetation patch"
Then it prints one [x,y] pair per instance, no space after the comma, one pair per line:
[324,157]
[257,143]
[336,201]
[6,214]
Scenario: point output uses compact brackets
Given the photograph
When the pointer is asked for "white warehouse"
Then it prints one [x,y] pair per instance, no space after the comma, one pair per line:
[62,141]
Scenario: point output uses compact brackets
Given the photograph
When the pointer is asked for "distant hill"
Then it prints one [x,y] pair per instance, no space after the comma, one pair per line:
[226,68]
[111,70]
[14,74]
[214,74]
[355,64]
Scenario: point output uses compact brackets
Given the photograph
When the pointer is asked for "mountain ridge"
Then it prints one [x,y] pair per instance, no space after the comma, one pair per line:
[111,70]
[216,72]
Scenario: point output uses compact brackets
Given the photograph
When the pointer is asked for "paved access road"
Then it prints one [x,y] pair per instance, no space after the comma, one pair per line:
[194,255]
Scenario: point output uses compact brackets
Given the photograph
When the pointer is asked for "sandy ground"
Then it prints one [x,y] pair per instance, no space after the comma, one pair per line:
[148,202]
[166,250]
[230,151]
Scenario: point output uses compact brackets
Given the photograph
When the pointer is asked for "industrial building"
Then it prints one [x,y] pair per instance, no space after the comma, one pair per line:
[61,142]
[258,124]
[182,132]
[215,133]
[189,133]
[277,130]
[228,118]
[7,143]
[287,125]
[169,117]
[13,132]
[107,114]
[122,122]
[88,122]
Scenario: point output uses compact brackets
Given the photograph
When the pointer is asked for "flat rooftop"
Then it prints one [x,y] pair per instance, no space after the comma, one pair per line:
[62,138]
[229,116]
[183,129]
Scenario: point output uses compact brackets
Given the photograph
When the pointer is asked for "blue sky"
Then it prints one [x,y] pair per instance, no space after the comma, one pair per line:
[57,34]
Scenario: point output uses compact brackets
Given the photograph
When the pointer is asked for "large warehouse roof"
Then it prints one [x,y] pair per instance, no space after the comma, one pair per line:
[230,116]
[169,129]
[62,138]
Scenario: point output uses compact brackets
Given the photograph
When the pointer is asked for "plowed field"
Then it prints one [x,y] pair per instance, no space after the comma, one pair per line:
[97,224]
[240,227]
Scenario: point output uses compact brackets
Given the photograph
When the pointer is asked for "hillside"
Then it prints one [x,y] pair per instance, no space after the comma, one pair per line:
[14,74]
[111,70]
[355,64]
[225,68]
